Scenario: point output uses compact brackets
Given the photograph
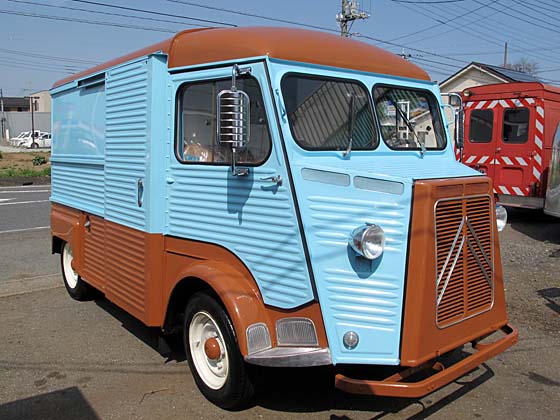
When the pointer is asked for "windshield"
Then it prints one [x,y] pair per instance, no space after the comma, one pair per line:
[329,114]
[409,118]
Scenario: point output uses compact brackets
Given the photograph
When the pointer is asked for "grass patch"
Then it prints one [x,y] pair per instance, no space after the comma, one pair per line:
[21,164]
[24,172]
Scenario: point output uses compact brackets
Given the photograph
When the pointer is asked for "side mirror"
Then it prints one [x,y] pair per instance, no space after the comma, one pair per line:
[455,101]
[234,119]
[460,129]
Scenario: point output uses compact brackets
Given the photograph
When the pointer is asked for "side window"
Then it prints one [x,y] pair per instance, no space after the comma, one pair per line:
[196,140]
[516,125]
[481,125]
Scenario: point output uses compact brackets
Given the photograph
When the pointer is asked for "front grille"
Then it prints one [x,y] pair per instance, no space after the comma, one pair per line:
[464,258]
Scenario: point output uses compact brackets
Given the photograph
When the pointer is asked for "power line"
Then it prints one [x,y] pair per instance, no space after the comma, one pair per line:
[42,66]
[532,7]
[133,9]
[479,34]
[522,19]
[89,22]
[35,55]
[438,24]
[427,2]
[236,12]
[35,68]
[409,48]
[104,13]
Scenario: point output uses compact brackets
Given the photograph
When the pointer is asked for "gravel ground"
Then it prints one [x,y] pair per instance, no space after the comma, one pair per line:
[61,359]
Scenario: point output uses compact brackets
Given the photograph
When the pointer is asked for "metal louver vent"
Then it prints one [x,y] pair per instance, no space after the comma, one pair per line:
[464,258]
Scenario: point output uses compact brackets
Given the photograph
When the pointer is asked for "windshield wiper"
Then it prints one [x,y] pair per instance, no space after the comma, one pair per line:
[409,125]
[351,125]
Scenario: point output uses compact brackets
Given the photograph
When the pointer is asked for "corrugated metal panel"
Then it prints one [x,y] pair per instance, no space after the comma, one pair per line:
[126,268]
[126,142]
[250,217]
[94,253]
[78,185]
[357,294]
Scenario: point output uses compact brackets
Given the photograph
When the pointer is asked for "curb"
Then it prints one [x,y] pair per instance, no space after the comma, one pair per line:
[24,180]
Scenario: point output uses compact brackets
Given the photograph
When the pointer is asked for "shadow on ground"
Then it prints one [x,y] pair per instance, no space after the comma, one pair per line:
[64,404]
[535,224]
[306,390]
[312,389]
[169,347]
[552,297]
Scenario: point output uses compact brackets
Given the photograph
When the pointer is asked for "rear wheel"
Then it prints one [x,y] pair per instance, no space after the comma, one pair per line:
[213,354]
[34,145]
[76,287]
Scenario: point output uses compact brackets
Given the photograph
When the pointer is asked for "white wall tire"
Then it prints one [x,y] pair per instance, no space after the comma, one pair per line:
[70,275]
[218,369]
[213,371]
[76,287]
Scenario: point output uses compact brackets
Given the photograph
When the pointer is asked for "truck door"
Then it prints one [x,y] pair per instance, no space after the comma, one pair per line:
[504,139]
[250,213]
[518,156]
[480,137]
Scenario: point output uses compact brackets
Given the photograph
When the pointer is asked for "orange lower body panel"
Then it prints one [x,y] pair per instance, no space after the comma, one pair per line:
[394,386]
[140,271]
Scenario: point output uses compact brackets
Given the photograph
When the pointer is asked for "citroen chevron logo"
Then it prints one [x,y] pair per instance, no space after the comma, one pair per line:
[465,235]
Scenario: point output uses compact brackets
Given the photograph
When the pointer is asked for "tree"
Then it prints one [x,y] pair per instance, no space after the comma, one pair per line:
[524,65]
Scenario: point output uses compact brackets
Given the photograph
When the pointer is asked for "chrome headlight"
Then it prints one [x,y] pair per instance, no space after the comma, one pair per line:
[368,241]
[501,218]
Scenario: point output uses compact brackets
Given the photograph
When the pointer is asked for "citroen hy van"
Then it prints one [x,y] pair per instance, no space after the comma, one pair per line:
[283,197]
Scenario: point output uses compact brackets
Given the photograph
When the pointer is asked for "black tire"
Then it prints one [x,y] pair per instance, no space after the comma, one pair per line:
[34,145]
[238,389]
[77,288]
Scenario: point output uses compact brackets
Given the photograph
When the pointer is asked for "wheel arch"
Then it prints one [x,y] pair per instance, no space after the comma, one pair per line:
[237,293]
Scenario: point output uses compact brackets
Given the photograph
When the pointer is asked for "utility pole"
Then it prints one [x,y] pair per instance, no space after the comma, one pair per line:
[349,13]
[505,55]
[3,118]
[32,105]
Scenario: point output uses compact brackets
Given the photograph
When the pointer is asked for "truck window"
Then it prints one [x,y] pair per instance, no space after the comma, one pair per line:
[516,125]
[196,124]
[320,112]
[408,118]
[481,126]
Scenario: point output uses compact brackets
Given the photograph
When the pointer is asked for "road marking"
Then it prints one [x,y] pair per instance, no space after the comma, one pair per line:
[25,292]
[24,202]
[25,186]
[44,276]
[21,192]
[6,199]
[24,230]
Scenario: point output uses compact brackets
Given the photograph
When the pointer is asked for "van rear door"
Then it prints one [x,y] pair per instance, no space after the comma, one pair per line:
[518,157]
[480,139]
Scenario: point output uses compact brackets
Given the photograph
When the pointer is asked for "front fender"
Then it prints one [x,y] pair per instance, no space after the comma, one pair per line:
[236,289]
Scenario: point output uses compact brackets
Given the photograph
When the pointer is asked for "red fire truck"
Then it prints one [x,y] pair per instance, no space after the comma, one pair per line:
[512,134]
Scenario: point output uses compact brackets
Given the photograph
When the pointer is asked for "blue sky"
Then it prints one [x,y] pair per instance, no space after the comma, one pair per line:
[441,36]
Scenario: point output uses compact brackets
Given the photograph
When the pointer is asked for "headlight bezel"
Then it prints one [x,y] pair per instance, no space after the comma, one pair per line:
[368,241]
[501,217]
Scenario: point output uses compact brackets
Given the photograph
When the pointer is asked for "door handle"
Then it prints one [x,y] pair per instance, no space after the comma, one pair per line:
[140,191]
[277,179]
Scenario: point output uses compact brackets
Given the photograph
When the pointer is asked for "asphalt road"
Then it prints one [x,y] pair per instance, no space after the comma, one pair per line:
[61,359]
[24,207]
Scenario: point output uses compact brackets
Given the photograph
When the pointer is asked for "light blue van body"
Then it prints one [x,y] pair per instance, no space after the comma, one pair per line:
[115,158]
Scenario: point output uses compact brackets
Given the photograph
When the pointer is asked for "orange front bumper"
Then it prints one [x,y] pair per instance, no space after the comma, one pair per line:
[394,387]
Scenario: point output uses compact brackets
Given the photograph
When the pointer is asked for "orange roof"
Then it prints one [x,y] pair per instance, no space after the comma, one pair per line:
[200,46]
